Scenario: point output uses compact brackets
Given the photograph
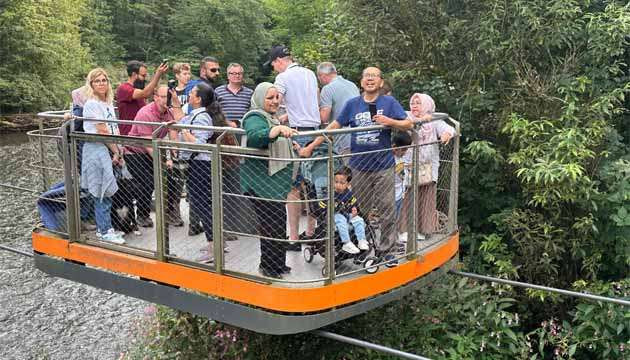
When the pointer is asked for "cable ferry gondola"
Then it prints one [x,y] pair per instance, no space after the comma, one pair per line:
[160,263]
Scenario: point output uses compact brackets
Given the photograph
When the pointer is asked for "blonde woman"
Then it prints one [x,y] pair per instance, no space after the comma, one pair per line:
[97,175]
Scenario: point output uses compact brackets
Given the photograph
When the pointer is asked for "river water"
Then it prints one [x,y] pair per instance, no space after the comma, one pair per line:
[42,317]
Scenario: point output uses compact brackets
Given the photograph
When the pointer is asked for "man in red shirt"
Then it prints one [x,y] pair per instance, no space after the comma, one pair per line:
[140,158]
[131,94]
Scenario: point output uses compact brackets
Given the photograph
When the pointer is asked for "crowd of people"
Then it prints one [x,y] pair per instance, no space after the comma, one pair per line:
[378,161]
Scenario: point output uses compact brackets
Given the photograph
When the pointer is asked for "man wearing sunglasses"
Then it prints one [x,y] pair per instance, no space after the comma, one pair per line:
[209,72]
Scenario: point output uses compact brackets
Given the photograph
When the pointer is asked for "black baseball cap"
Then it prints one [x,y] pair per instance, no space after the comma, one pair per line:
[278,51]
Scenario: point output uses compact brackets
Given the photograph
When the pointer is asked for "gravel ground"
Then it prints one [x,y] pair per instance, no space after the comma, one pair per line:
[43,317]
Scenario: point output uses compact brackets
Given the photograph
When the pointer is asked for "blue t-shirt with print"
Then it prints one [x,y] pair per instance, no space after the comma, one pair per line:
[356,113]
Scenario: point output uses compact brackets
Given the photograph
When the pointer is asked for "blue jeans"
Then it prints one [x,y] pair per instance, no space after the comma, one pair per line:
[102,214]
[341,222]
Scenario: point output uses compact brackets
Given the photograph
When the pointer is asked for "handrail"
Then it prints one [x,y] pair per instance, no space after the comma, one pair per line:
[216,150]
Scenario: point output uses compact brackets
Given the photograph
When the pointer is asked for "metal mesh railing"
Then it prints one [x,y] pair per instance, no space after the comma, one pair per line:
[236,210]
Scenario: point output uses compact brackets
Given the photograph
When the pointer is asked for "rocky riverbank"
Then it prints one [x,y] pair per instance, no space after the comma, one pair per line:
[23,122]
[43,317]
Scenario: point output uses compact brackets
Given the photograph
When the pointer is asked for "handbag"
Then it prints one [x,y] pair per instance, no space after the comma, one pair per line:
[425,175]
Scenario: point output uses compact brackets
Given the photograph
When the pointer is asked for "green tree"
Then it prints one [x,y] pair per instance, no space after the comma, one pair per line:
[41,56]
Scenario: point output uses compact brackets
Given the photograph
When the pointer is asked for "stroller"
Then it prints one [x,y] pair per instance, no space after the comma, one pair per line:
[314,185]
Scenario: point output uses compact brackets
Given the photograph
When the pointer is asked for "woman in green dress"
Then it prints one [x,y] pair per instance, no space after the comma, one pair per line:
[269,181]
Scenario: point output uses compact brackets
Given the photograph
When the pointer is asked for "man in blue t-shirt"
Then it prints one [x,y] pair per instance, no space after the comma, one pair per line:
[373,172]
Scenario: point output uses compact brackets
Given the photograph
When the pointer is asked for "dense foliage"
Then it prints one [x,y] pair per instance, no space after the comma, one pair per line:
[541,88]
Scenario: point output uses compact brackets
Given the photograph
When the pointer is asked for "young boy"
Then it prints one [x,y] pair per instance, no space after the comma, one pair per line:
[347,211]
[403,157]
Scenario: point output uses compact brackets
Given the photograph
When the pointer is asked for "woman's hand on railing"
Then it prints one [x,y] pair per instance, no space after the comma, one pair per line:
[446,137]
[281,130]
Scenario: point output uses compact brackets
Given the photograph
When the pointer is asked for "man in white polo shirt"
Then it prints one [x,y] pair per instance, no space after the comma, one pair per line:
[297,86]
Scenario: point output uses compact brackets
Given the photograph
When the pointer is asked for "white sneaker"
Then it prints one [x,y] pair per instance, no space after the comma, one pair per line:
[363,245]
[421,237]
[350,248]
[112,236]
[402,237]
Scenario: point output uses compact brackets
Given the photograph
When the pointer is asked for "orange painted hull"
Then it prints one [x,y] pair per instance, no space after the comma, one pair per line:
[271,297]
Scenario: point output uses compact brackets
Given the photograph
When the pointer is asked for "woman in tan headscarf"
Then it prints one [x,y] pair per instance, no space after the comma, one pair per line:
[268,180]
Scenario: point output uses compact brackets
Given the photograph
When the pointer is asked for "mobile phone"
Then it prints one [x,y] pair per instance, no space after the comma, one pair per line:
[165,61]
[372,107]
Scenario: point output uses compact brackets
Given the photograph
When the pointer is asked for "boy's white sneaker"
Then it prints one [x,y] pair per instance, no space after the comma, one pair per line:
[402,238]
[363,245]
[112,236]
[350,248]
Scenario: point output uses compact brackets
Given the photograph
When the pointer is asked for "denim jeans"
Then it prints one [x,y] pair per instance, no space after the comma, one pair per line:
[102,214]
[341,222]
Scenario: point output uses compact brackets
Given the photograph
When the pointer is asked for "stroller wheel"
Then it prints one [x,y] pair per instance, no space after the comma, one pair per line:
[325,271]
[308,254]
[370,261]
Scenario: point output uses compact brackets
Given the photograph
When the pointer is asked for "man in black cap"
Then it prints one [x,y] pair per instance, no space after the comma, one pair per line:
[297,86]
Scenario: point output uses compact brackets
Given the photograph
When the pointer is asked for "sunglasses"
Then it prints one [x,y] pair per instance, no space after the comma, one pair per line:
[214,70]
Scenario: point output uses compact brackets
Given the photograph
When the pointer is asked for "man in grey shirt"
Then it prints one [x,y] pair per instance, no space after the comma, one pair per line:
[335,92]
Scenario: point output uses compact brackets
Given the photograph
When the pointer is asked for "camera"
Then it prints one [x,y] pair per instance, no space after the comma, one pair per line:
[172,84]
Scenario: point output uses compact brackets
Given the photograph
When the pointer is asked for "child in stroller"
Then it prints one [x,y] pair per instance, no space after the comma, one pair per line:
[355,244]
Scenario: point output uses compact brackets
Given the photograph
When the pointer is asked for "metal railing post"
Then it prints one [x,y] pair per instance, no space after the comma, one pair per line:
[40,125]
[453,198]
[412,244]
[161,230]
[73,208]
[330,215]
[217,206]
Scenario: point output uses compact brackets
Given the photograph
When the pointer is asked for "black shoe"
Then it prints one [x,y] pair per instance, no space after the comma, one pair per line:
[194,230]
[285,269]
[294,247]
[145,222]
[269,273]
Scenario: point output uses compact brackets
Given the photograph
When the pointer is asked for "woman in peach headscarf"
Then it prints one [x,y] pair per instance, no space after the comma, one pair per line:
[426,136]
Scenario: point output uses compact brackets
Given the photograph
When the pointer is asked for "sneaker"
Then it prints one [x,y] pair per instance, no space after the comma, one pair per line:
[269,273]
[145,222]
[390,261]
[350,248]
[421,237]
[110,231]
[230,237]
[112,236]
[205,258]
[363,245]
[402,238]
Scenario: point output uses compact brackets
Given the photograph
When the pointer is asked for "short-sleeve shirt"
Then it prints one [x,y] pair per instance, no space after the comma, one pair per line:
[234,105]
[96,109]
[298,85]
[334,95]
[128,107]
[198,117]
[148,113]
[356,113]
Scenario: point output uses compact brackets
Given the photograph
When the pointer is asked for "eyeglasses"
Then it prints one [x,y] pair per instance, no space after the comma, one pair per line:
[101,81]
[235,73]
[214,70]
[371,76]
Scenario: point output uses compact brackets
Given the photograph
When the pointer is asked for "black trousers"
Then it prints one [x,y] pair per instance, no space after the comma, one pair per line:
[141,168]
[200,191]
[272,223]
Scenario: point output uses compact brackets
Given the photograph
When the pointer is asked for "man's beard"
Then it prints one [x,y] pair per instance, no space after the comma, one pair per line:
[139,84]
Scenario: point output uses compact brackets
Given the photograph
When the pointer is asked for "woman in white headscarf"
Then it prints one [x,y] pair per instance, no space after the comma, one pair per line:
[268,180]
[422,107]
